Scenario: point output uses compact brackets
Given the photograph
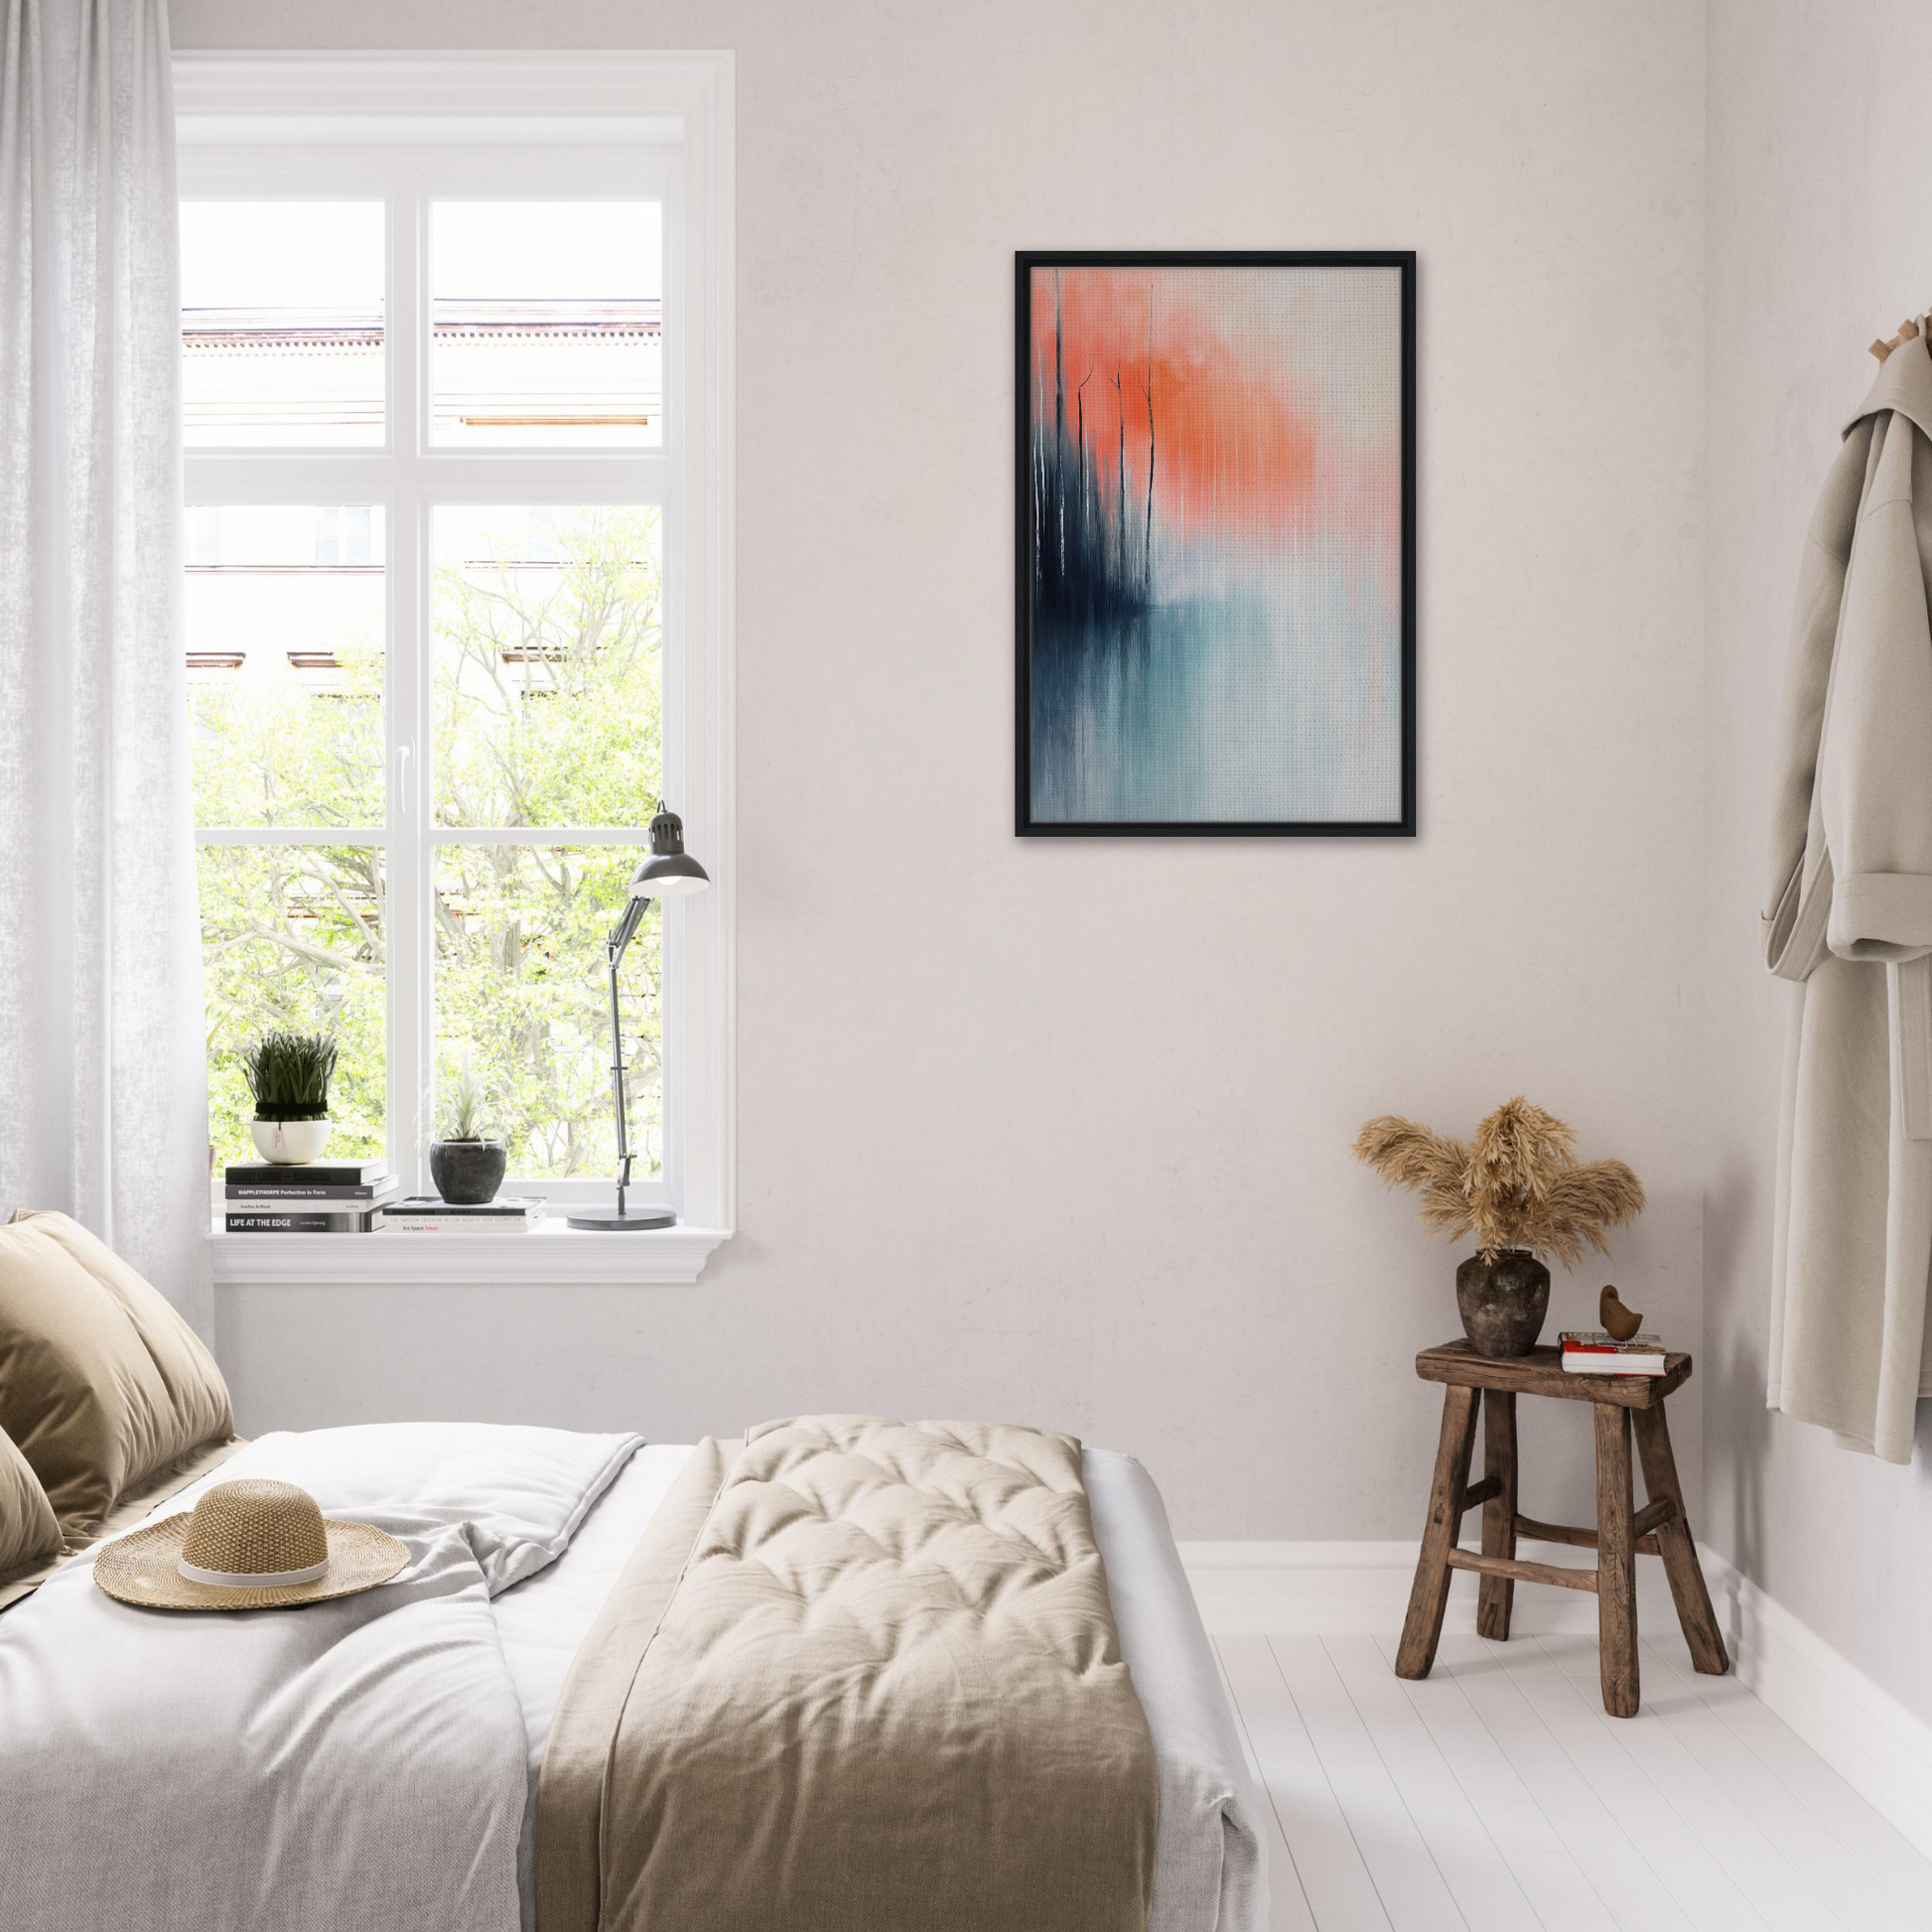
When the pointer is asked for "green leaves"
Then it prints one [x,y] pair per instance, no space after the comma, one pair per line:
[521,998]
[289,1073]
[293,940]
[546,707]
[548,686]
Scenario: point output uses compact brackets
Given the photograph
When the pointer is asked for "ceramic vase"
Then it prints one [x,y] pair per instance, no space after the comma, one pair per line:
[468,1174]
[290,1143]
[1503,1300]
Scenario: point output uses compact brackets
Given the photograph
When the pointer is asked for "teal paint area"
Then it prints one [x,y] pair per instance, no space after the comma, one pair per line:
[1246,707]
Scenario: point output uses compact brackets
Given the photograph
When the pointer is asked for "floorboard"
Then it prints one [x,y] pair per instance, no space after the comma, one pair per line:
[1406,1879]
[1287,1903]
[1485,1887]
[1695,1879]
[1495,1796]
[1781,1896]
[1326,1862]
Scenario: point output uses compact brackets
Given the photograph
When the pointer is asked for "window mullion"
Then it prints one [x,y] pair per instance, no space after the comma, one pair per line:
[410,1025]
[544,835]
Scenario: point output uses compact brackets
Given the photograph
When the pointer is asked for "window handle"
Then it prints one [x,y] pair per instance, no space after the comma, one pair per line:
[404,751]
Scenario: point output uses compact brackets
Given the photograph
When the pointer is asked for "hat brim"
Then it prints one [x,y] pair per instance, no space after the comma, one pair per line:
[143,1569]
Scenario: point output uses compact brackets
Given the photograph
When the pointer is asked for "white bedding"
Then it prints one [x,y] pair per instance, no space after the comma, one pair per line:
[1209,1876]
[371,1763]
[353,1766]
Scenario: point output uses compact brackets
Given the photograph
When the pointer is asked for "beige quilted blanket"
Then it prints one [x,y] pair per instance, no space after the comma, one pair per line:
[862,1675]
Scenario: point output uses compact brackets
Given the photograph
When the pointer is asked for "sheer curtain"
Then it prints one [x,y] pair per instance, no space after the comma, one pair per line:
[102,1070]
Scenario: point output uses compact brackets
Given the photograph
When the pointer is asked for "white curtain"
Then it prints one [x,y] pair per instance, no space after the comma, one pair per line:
[102,1067]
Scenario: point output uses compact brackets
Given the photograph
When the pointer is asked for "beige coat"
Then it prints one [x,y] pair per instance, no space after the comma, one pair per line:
[1851,920]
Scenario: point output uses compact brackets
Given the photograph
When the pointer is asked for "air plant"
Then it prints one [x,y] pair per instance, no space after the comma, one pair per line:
[289,1076]
[1517,1185]
[464,1114]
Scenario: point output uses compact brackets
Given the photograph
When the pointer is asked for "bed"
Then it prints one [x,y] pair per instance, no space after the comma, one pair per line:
[510,1580]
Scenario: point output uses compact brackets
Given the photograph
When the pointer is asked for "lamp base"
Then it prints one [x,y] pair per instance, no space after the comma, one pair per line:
[612,1220]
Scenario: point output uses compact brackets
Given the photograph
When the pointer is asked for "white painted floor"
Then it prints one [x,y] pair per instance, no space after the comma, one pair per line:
[1497,1796]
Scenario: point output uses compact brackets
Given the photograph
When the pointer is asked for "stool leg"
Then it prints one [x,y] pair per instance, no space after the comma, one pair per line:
[1678,1546]
[1497,1595]
[1423,1628]
[1616,1561]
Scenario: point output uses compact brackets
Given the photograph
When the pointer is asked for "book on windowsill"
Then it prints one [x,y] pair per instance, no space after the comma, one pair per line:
[300,1177]
[340,1220]
[292,1189]
[425,1215]
[1594,1351]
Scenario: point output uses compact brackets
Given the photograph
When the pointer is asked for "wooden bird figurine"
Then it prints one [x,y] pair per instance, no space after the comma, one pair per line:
[1615,1318]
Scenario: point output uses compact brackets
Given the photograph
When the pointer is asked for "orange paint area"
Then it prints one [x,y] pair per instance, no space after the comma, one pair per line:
[1232,449]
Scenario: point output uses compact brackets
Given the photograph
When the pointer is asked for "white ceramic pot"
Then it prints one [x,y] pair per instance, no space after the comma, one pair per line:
[290,1143]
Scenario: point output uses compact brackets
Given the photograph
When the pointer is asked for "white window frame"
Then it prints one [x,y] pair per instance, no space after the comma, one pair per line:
[405,127]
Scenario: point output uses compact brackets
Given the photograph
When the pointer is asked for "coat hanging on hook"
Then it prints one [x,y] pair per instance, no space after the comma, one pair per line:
[1849,918]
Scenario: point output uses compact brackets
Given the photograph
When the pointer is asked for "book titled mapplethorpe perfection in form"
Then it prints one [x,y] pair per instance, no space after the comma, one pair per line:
[282,1176]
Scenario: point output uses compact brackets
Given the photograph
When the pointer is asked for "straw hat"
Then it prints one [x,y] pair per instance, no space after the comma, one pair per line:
[249,1545]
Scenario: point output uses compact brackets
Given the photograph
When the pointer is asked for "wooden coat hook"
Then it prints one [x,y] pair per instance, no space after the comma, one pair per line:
[1907,332]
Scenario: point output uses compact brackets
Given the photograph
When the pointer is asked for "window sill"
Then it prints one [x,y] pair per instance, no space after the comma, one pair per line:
[551,1253]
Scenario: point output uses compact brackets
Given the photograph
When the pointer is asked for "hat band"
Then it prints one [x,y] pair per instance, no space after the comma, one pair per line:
[252,1578]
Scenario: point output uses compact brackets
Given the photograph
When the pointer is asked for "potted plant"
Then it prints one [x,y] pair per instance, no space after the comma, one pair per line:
[289,1074]
[1520,1189]
[468,1163]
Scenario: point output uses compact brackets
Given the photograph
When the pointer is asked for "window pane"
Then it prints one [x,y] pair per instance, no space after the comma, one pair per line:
[291,937]
[547,323]
[281,324]
[285,628]
[548,689]
[522,1000]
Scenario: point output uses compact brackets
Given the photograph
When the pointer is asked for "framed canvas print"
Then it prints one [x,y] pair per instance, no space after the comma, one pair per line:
[1216,544]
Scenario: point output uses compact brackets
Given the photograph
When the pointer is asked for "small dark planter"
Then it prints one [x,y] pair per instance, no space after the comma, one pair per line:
[468,1174]
[1504,1302]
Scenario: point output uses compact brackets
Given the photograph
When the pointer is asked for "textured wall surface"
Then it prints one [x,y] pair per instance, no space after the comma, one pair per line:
[1058,1131]
[1820,239]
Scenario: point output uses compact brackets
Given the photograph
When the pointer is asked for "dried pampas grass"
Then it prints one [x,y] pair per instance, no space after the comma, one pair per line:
[1517,1185]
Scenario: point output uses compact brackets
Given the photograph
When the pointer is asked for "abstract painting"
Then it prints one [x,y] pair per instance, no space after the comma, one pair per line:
[1216,497]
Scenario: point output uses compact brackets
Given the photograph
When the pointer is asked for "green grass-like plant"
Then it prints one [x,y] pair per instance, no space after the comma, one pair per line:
[289,1074]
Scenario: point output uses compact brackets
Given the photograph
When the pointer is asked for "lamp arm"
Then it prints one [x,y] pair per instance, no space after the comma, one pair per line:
[626,928]
[614,947]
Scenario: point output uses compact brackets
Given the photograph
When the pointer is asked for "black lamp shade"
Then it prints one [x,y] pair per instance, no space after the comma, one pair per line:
[670,871]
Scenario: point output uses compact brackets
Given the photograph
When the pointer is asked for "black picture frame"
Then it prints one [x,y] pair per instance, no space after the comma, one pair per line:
[1025,263]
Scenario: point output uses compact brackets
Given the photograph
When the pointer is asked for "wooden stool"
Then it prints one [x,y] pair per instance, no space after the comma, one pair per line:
[1621,1535]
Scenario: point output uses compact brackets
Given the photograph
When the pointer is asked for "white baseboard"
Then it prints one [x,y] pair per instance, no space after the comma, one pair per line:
[1879,1747]
[1882,1750]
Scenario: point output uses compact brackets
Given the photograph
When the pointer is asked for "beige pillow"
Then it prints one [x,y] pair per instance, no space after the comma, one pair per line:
[29,1533]
[101,1383]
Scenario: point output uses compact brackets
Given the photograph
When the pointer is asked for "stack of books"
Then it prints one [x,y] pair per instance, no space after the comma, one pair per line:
[425,1215]
[319,1197]
[1594,1351]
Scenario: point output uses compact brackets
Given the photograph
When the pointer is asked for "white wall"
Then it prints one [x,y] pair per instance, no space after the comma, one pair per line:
[1025,1130]
[1819,238]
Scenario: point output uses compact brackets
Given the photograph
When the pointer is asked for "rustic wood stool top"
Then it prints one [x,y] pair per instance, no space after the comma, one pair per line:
[1541,1372]
[1620,1403]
